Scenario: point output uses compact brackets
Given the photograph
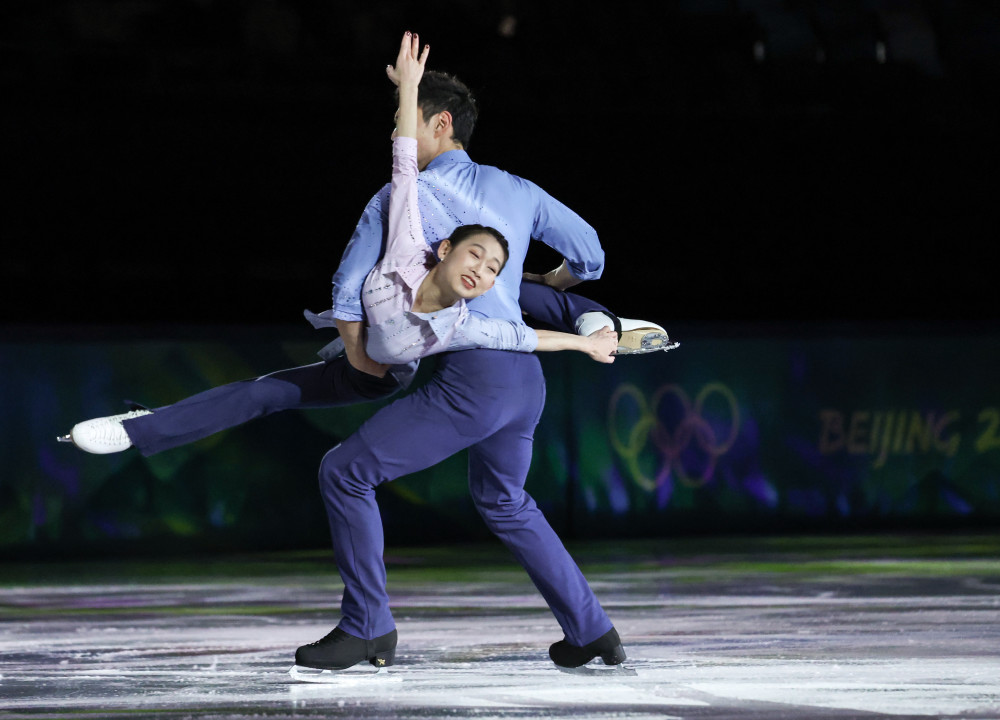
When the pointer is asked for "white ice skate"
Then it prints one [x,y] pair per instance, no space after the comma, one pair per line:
[634,336]
[103,435]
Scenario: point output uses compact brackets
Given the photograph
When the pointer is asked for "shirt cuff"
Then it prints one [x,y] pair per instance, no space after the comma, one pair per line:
[530,339]
[347,316]
[584,272]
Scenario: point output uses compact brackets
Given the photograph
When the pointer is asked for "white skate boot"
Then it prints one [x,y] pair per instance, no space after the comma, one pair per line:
[103,435]
[634,336]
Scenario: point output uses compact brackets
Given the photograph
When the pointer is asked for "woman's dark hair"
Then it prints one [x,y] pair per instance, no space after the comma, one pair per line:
[464,232]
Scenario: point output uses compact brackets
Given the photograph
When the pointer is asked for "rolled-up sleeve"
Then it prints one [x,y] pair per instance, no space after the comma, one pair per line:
[361,254]
[568,234]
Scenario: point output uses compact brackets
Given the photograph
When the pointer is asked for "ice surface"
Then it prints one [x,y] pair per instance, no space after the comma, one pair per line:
[707,639]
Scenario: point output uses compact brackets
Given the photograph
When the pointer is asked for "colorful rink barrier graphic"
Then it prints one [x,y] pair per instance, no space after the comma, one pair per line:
[676,440]
[829,431]
[783,433]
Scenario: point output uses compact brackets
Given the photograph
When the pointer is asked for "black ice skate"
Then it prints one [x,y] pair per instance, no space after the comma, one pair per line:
[573,658]
[329,656]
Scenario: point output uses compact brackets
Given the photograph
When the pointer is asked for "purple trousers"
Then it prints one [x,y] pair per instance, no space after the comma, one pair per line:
[322,384]
[486,401]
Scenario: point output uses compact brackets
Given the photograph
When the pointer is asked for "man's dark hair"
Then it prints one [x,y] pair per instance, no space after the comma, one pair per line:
[440,91]
[464,232]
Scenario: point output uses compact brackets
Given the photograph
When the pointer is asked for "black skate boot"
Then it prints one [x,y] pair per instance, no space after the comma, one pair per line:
[573,657]
[340,650]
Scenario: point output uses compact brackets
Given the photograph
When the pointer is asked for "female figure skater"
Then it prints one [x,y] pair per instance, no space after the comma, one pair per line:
[415,305]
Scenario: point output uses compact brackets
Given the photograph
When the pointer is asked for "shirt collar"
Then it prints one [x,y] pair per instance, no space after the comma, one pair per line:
[444,321]
[411,275]
[449,158]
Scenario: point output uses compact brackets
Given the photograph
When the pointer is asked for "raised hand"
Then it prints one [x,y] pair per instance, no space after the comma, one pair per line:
[410,62]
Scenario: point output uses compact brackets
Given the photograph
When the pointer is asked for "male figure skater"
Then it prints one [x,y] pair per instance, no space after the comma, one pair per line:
[488,401]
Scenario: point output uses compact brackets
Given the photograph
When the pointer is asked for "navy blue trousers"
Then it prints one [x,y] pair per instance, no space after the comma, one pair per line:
[486,401]
[319,385]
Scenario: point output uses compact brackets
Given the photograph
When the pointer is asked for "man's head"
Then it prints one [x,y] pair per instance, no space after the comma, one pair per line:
[440,92]
[446,116]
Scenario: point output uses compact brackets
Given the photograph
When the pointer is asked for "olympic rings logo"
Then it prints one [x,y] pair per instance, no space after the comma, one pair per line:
[672,437]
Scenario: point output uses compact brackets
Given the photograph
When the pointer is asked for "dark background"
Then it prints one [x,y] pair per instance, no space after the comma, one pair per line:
[197,162]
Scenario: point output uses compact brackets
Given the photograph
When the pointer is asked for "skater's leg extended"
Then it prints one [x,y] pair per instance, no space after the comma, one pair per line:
[497,469]
[556,309]
[568,312]
[323,384]
[513,516]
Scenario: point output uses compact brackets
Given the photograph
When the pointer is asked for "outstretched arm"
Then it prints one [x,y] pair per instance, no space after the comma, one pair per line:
[599,345]
[406,74]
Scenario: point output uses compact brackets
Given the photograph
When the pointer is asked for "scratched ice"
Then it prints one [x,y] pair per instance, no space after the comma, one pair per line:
[708,638]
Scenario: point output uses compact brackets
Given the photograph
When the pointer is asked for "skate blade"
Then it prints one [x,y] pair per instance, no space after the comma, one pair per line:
[357,673]
[660,344]
[601,670]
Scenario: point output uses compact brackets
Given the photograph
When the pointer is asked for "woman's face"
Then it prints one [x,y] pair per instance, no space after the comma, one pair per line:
[470,268]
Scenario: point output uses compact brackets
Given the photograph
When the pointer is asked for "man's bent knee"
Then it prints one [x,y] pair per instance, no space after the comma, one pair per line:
[345,472]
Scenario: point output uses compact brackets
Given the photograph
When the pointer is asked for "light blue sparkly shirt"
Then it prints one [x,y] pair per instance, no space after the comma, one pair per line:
[455,191]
